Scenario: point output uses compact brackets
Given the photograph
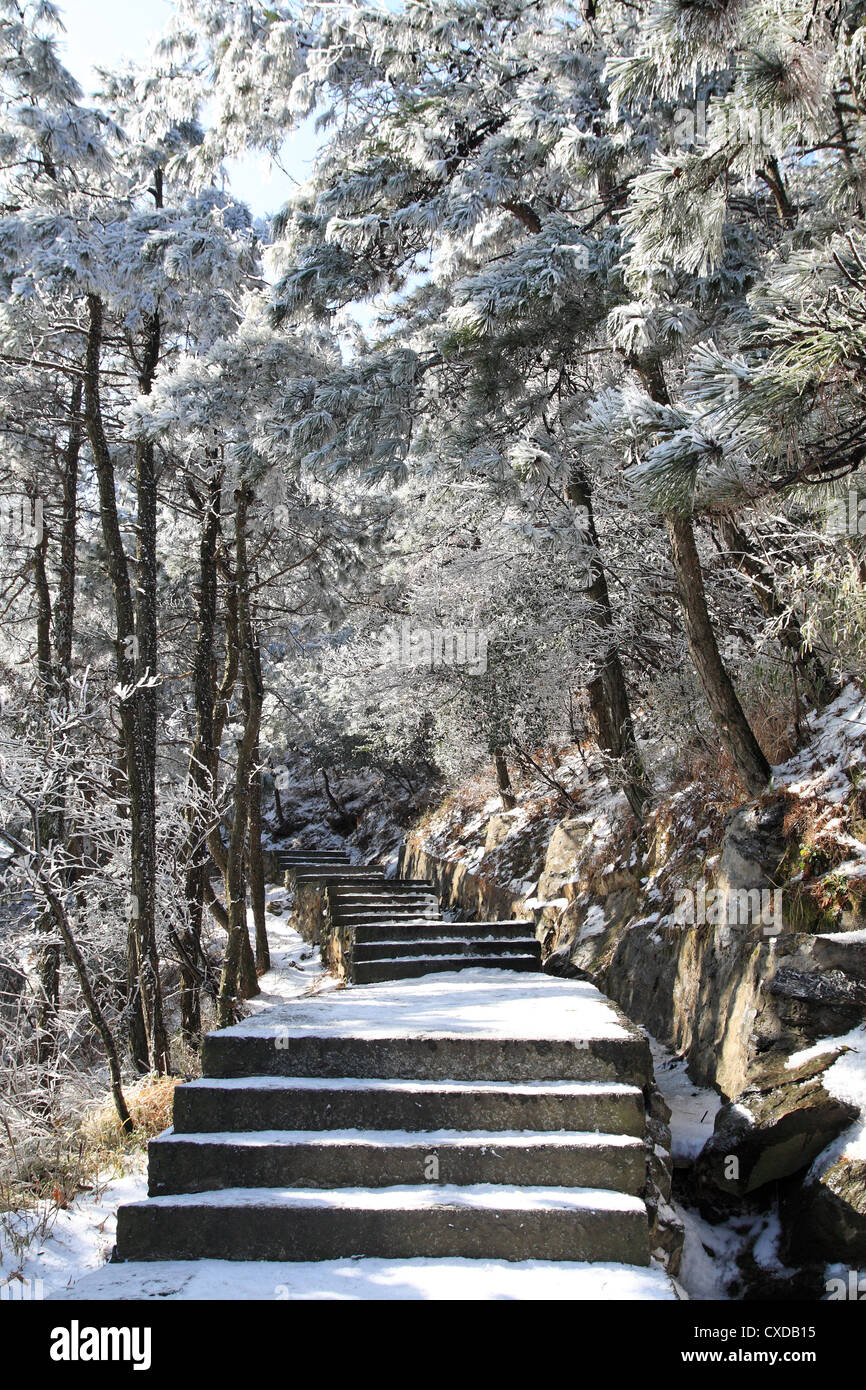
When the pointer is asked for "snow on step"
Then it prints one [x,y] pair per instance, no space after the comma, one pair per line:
[439,1220]
[466,1004]
[397,1085]
[421,1197]
[433,1138]
[462,1280]
[202,1162]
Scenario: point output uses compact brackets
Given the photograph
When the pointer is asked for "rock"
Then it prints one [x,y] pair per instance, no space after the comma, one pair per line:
[563,854]
[753,847]
[559,963]
[776,1127]
[499,827]
[667,1233]
[827,1215]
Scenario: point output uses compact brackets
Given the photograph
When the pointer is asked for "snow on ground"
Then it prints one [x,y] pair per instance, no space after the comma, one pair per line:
[836,745]
[397,1280]
[846,1080]
[693,1108]
[78,1240]
[296,970]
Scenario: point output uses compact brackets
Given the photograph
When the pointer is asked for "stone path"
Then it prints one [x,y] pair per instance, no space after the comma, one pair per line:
[480,1131]
[374,928]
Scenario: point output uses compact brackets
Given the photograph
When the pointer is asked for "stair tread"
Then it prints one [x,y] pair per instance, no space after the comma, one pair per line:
[400,1138]
[424,1196]
[399,1084]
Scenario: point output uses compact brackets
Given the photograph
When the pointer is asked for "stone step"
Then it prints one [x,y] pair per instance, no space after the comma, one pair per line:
[345,899]
[383,890]
[321,1103]
[319,879]
[446,946]
[286,858]
[311,853]
[431,929]
[360,917]
[312,861]
[530,1223]
[386,1158]
[329,875]
[368,972]
[430,1057]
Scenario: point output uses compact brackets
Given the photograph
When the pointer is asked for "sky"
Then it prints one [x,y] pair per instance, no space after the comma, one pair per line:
[101,33]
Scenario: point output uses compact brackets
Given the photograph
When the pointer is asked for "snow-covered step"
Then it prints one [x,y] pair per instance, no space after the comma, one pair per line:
[383,1158]
[378,931]
[409,967]
[328,874]
[402,903]
[325,855]
[433,1056]
[388,888]
[446,946]
[534,1223]
[462,1280]
[315,1102]
[399,905]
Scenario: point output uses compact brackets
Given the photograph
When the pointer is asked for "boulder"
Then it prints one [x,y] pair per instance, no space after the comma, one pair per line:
[827,1215]
[753,847]
[499,827]
[776,1127]
[563,855]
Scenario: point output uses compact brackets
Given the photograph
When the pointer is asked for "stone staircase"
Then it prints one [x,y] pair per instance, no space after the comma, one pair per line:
[391,929]
[328,1138]
[291,862]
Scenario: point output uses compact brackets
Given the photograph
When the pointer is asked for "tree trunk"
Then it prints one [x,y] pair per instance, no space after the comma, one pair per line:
[503,780]
[201,765]
[64,607]
[54,664]
[608,694]
[255,863]
[230,980]
[146,1001]
[733,727]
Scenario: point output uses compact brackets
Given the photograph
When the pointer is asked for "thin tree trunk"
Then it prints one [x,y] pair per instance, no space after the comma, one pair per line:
[64,608]
[608,693]
[97,1017]
[255,863]
[503,780]
[733,727]
[234,877]
[147,990]
[201,763]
